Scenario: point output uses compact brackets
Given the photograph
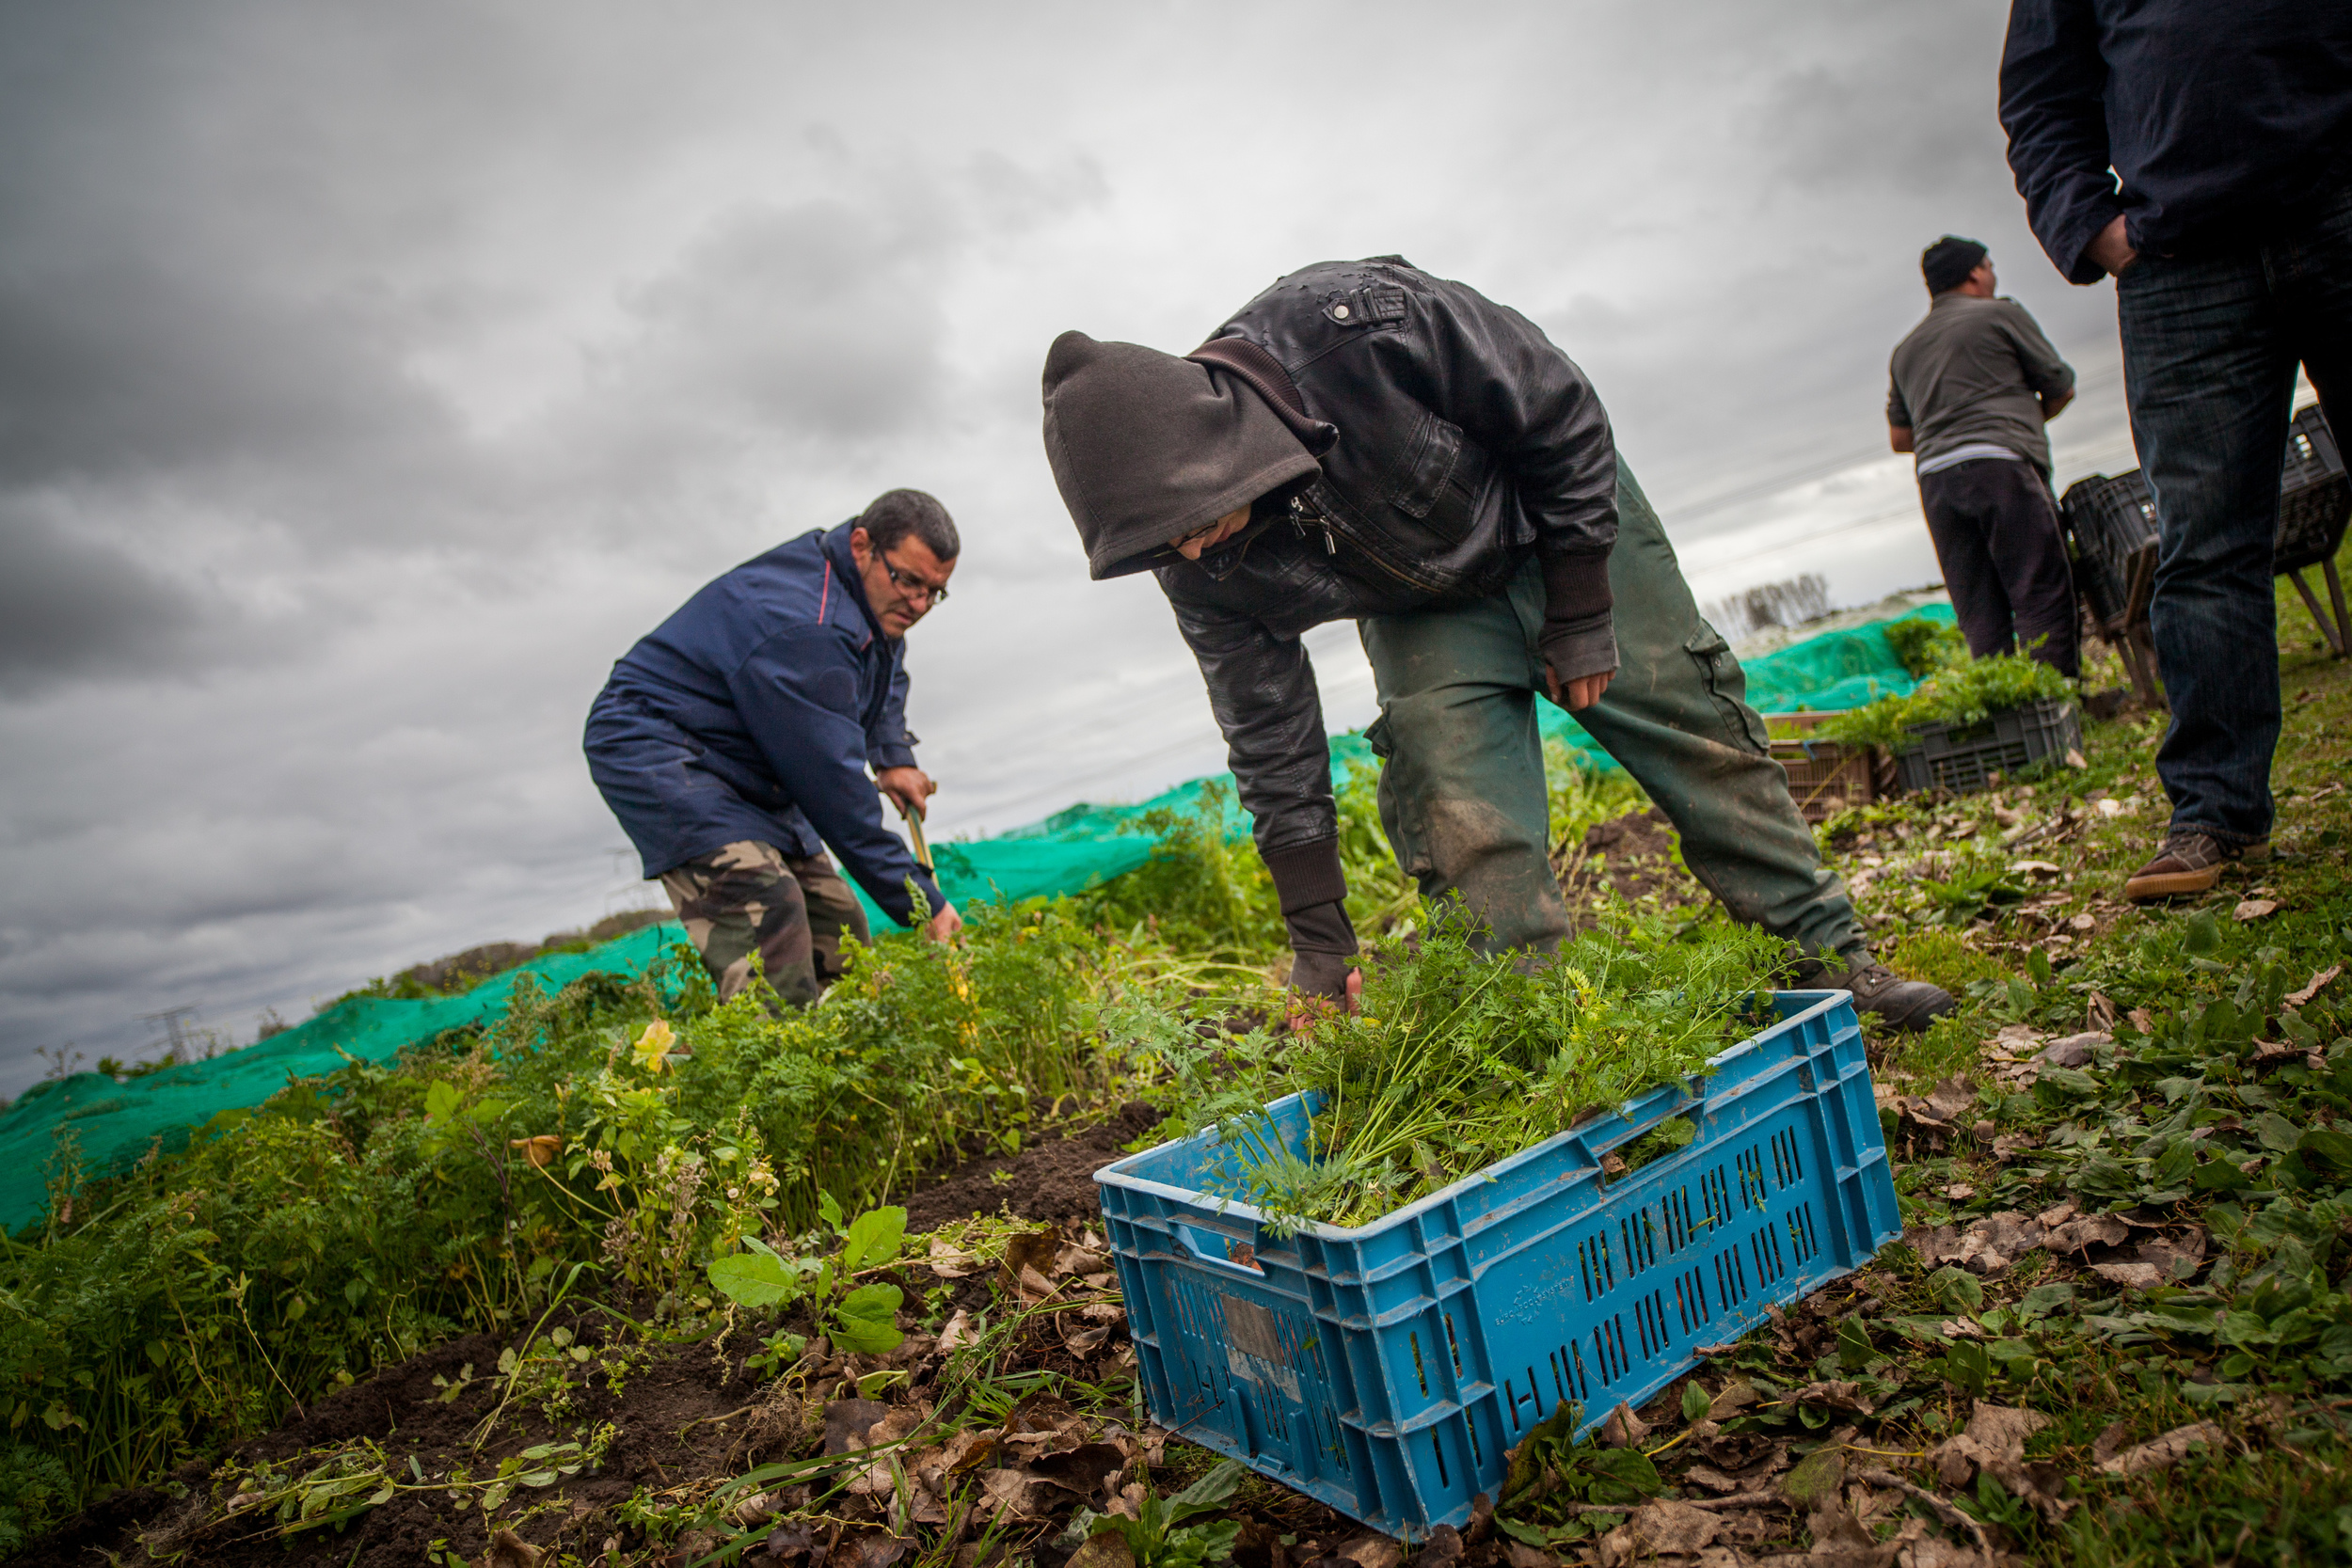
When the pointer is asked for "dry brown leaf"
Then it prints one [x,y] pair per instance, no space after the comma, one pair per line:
[1082,1342]
[2161,1453]
[2255,908]
[1838,1394]
[2297,998]
[1106,1550]
[1444,1548]
[509,1550]
[1731,1399]
[1709,1479]
[1079,1260]
[958,1333]
[541,1151]
[2073,1050]
[1623,1429]
[847,1421]
[1009,1494]
[1372,1551]
[2004,1428]
[949,1263]
[1083,1469]
[1029,1250]
[2110,1442]
[2134,1276]
[2088,1231]
[872,1548]
[1666,1526]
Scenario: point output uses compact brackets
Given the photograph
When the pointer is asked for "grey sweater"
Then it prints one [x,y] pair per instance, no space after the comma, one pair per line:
[1971,373]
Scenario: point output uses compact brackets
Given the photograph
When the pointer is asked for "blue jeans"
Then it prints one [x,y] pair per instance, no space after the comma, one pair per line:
[2210,347]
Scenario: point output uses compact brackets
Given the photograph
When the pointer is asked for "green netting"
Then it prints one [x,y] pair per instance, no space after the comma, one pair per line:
[113,1124]
[1835,671]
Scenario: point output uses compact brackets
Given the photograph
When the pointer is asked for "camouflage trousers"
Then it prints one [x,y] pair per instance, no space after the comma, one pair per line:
[748,898]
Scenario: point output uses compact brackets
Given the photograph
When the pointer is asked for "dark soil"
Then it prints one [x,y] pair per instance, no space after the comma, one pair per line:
[1051,1181]
[682,1416]
[1631,857]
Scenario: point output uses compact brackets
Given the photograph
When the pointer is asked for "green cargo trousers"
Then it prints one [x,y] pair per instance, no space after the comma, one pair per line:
[1462,767]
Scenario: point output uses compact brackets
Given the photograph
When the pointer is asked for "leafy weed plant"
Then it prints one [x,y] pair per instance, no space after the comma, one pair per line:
[1456,1059]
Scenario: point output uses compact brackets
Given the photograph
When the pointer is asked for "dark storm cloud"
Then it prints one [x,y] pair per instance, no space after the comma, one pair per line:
[72,606]
[370,377]
[114,366]
[822,319]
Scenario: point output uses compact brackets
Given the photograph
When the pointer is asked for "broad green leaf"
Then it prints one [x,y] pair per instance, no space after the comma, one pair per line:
[2043,1300]
[874,1237]
[1209,1491]
[753,1279]
[440,1101]
[2202,933]
[2330,1147]
[1619,1475]
[1694,1404]
[866,1320]
[1819,1474]
[1956,1289]
[2276,1132]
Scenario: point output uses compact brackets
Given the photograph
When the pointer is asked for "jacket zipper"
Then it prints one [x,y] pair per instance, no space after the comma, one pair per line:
[1301,512]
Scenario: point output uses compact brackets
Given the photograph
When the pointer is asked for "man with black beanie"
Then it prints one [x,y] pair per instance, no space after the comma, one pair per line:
[1366,442]
[1969,390]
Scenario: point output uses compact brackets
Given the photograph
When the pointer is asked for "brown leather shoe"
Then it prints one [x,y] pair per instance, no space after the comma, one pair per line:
[2189,862]
[1909,1005]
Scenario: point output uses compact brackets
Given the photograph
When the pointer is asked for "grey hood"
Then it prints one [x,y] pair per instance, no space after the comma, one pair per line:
[1147,448]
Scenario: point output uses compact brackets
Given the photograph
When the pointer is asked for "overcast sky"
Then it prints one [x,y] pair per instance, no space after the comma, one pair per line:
[371,376]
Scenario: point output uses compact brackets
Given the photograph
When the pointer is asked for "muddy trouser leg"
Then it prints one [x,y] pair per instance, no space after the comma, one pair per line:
[1462,765]
[1677,717]
[740,901]
[834,913]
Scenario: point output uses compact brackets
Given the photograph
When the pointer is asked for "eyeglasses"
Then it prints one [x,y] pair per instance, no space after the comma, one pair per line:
[909,583]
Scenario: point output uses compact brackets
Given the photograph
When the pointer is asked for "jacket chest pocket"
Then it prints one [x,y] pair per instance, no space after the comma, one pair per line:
[1438,483]
[1430,459]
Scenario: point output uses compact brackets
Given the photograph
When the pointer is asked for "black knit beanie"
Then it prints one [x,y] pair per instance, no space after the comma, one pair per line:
[1946,263]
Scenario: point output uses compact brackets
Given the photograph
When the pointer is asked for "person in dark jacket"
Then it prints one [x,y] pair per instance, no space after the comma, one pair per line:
[2201,154]
[1367,442]
[733,743]
[1969,390]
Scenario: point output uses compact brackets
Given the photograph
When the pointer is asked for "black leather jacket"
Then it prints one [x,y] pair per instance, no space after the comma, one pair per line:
[1454,441]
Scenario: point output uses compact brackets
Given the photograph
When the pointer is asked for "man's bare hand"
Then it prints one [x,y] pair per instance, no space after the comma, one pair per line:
[944,926]
[1304,1010]
[1583,693]
[910,786]
[2111,250]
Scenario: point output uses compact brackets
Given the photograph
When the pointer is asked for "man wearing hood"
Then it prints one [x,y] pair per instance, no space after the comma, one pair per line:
[1366,442]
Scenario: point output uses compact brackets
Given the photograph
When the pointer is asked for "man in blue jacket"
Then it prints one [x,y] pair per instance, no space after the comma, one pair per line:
[733,743]
[2201,154]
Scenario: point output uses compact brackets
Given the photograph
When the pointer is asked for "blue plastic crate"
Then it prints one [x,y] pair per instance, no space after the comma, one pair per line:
[1388,1369]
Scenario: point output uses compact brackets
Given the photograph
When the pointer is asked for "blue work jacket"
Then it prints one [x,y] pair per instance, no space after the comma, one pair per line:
[753,713]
